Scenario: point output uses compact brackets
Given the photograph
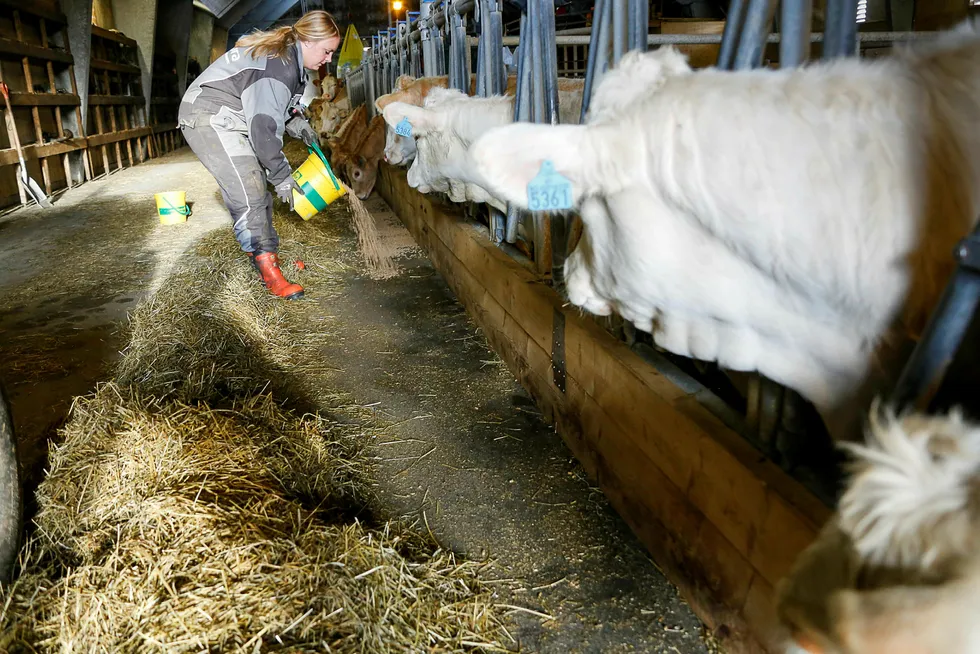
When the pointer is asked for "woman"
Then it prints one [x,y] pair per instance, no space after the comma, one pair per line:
[233,116]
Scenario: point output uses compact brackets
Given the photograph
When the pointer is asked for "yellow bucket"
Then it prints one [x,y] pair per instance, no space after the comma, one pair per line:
[172,207]
[319,185]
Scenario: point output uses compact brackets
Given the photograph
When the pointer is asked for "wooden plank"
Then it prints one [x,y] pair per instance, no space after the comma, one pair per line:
[114,137]
[115,100]
[40,12]
[100,64]
[118,37]
[9,156]
[44,100]
[9,46]
[161,129]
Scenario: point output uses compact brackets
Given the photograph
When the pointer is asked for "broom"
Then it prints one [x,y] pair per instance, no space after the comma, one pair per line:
[29,184]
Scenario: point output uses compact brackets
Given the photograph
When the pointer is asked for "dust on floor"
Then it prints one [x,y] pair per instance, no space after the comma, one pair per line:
[462,446]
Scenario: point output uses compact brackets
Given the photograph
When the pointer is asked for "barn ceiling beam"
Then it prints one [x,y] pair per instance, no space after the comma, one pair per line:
[261,16]
[236,13]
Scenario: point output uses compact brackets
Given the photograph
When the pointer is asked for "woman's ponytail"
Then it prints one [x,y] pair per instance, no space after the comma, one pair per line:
[314,26]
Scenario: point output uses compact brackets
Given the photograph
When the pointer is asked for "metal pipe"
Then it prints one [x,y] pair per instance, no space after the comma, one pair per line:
[522,102]
[549,60]
[537,71]
[499,74]
[924,371]
[619,30]
[596,43]
[639,24]
[794,24]
[751,45]
[847,47]
[732,34]
[713,39]
[522,112]
[832,28]
[481,57]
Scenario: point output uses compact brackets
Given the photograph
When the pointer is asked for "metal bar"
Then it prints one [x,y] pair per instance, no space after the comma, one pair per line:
[498,73]
[751,45]
[831,31]
[597,46]
[924,371]
[732,33]
[537,72]
[794,24]
[549,63]
[481,55]
[847,24]
[522,111]
[619,30]
[639,24]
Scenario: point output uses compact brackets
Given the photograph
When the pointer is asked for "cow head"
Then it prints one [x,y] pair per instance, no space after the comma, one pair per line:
[422,120]
[594,159]
[362,173]
[637,74]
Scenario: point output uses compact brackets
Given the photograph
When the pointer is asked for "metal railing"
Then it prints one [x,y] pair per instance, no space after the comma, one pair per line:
[435,42]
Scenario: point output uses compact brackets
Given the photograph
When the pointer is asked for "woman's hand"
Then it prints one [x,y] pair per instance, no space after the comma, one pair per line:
[299,128]
[285,191]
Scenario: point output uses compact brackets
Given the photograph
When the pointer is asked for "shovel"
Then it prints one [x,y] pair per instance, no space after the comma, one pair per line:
[29,184]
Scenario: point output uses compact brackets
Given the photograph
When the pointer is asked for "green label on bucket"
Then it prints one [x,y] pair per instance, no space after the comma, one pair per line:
[313,197]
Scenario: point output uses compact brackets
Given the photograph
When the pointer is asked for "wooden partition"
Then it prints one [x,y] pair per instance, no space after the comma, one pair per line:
[724,523]
[165,102]
[117,127]
[37,65]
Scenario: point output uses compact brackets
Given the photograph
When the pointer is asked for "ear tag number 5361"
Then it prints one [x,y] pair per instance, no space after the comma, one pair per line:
[403,128]
[549,190]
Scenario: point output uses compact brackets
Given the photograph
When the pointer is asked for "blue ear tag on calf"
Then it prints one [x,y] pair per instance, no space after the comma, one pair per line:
[403,128]
[549,190]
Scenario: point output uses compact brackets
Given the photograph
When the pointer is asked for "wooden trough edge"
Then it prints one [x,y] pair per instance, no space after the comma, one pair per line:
[723,523]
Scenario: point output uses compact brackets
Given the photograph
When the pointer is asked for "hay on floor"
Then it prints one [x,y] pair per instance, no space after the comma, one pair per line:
[188,509]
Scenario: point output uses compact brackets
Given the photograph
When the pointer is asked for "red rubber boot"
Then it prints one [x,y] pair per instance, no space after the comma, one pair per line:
[268,265]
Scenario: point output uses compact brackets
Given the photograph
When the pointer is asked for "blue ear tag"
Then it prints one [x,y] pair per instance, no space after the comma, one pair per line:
[403,128]
[549,190]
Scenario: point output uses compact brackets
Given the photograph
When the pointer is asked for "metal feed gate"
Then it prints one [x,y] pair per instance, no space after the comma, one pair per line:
[434,42]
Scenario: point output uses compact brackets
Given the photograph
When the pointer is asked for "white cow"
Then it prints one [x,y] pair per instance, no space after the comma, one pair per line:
[791,222]
[445,126]
[897,568]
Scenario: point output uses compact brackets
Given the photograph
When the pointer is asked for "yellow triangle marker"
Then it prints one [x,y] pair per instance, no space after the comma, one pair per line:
[352,50]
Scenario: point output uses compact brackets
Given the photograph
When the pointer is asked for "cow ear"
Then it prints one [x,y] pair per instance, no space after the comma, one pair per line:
[403,82]
[422,120]
[506,159]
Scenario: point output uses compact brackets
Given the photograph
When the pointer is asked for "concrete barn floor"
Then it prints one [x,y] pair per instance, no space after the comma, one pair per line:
[466,451]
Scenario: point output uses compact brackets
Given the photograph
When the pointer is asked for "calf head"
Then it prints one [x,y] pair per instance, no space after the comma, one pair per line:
[897,569]
[399,150]
[328,88]
[362,167]
[637,74]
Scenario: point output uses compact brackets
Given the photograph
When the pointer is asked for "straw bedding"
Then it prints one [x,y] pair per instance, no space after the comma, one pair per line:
[195,503]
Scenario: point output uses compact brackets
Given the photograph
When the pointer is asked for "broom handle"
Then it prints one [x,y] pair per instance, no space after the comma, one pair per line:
[10,116]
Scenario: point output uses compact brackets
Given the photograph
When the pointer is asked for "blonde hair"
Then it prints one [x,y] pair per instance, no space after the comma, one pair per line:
[313,26]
